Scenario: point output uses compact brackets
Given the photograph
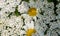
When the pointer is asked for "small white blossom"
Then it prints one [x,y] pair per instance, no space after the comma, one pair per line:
[23,7]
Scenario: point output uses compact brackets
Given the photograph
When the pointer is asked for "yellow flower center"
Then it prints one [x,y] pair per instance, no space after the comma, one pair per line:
[29,32]
[32,12]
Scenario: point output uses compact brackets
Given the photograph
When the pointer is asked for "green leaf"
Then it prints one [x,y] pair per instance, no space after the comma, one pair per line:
[26,0]
[50,0]
[16,11]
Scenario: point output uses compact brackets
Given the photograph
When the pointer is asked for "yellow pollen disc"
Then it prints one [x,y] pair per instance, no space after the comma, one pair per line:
[32,12]
[29,32]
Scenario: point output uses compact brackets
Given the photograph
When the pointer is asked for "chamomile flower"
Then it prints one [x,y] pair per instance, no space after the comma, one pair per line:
[30,29]
[30,32]
[32,12]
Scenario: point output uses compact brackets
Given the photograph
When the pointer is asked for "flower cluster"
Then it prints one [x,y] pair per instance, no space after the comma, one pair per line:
[29,17]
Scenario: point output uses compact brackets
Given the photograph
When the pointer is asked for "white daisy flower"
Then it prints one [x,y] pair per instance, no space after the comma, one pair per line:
[30,25]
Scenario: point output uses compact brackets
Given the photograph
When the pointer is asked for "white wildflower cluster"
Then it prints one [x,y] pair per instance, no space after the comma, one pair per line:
[10,23]
[17,16]
[23,7]
[49,22]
